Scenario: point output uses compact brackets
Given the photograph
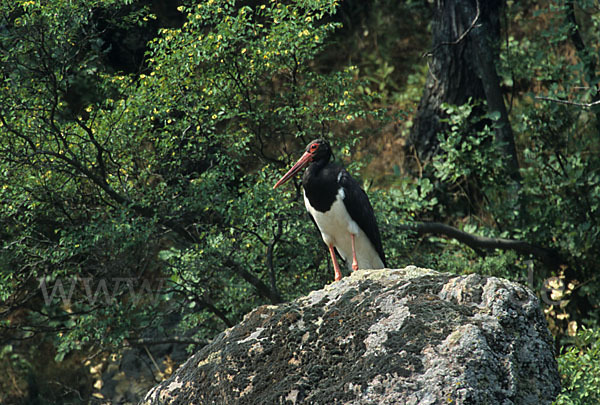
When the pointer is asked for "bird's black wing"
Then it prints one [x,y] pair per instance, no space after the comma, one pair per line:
[359,207]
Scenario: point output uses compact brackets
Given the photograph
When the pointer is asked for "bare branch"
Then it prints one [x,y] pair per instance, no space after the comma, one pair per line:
[262,288]
[270,249]
[547,256]
[461,36]
[574,103]
[167,340]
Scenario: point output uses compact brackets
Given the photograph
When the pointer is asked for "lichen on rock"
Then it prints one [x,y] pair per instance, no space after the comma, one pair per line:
[407,336]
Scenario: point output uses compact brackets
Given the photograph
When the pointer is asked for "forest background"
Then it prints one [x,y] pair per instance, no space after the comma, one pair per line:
[140,140]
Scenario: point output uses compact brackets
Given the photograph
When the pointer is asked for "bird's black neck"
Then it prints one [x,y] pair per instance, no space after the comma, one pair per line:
[320,184]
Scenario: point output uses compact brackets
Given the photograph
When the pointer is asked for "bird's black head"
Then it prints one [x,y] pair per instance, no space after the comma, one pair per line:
[319,150]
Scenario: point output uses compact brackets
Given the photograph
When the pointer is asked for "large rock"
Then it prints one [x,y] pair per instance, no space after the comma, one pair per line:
[410,336]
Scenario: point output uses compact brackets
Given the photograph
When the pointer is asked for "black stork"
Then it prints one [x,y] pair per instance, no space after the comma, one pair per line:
[340,208]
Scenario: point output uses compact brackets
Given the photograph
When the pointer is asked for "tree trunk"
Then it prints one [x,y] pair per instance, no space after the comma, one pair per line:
[462,66]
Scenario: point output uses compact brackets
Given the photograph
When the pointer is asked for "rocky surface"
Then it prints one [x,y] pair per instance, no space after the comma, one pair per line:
[408,336]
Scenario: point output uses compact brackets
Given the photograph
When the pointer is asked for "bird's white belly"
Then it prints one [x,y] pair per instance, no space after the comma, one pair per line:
[336,225]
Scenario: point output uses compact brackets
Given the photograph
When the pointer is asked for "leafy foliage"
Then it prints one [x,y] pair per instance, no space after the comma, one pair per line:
[555,203]
[169,173]
[150,193]
[579,366]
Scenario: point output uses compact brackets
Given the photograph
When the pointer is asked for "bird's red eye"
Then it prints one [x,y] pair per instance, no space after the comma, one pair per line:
[313,147]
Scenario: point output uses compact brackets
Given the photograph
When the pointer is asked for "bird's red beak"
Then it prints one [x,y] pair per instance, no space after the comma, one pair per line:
[300,164]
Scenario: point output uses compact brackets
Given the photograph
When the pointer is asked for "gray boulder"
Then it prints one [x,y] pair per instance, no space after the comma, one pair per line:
[408,336]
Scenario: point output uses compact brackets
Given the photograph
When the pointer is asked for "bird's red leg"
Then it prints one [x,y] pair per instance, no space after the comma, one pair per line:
[354,261]
[336,266]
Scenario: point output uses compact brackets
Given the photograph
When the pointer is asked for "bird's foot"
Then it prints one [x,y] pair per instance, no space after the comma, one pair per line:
[354,266]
